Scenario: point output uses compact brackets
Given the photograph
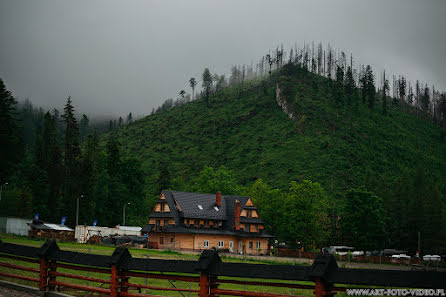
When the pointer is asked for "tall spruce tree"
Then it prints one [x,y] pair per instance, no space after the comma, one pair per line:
[349,84]
[71,162]
[370,86]
[207,84]
[49,159]
[385,90]
[11,139]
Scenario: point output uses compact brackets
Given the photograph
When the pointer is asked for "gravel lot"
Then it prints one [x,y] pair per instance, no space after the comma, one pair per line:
[4,292]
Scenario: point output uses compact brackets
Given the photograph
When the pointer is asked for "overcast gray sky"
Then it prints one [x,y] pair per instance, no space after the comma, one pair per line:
[115,57]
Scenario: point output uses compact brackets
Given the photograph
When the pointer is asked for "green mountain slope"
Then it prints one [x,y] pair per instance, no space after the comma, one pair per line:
[339,145]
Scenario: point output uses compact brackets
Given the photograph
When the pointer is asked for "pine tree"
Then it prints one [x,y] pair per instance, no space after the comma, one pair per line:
[192,83]
[385,90]
[349,84]
[48,157]
[71,162]
[83,126]
[370,86]
[11,138]
[207,84]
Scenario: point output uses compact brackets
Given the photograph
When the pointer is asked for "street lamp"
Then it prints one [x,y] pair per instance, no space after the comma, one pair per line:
[123,213]
[1,190]
[77,210]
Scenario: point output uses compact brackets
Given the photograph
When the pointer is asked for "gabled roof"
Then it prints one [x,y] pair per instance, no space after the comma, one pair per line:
[199,206]
[39,225]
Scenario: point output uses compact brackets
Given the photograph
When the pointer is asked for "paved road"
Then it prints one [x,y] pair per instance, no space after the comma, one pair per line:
[5,292]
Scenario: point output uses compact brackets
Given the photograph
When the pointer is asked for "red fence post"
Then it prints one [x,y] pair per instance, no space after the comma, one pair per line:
[208,265]
[322,288]
[321,270]
[213,284]
[43,274]
[44,253]
[52,278]
[114,285]
[124,279]
[204,285]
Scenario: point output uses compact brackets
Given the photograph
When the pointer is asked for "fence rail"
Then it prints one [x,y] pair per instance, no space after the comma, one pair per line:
[112,274]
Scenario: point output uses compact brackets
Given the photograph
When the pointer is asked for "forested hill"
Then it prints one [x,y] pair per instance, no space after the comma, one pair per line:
[327,131]
[334,139]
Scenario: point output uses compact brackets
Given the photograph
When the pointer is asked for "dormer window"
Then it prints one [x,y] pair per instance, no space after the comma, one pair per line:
[162,206]
[249,213]
[200,207]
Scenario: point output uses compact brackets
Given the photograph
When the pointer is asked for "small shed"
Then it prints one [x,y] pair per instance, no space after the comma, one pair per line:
[84,233]
[44,230]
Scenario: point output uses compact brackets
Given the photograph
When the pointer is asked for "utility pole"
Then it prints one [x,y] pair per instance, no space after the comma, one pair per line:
[77,210]
[123,213]
[419,243]
[1,190]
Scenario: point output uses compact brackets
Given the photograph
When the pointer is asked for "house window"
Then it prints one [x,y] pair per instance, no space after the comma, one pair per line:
[258,245]
[250,244]
[231,245]
[158,223]
[257,228]
[247,229]
[206,244]
[161,240]
[162,206]
[196,222]
[171,240]
[249,213]
[206,223]
[221,244]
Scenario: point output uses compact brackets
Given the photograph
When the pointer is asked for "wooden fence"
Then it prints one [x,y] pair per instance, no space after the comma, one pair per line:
[208,273]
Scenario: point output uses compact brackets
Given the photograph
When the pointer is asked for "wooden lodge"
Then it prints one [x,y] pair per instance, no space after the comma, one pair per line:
[196,222]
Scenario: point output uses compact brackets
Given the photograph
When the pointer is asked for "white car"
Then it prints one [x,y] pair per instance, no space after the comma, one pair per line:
[401,256]
[358,253]
[434,258]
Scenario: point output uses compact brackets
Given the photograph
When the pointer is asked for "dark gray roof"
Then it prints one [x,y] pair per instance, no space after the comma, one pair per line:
[190,202]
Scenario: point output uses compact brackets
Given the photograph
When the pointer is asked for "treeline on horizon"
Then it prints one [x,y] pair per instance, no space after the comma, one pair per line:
[334,65]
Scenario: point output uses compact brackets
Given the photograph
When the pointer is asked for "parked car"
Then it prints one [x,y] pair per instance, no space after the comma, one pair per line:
[401,256]
[340,250]
[433,258]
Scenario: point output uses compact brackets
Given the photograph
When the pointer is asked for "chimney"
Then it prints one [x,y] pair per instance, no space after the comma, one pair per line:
[218,199]
[237,215]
